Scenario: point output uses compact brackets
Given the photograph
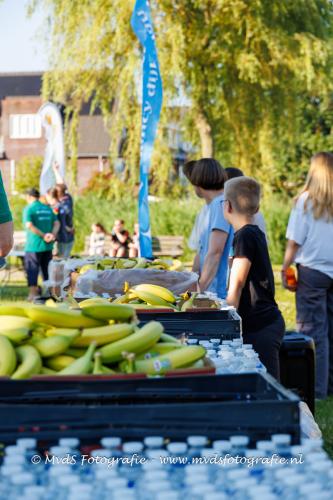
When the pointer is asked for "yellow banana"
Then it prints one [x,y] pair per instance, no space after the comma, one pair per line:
[170,361]
[16,336]
[7,357]
[158,349]
[103,334]
[65,332]
[107,312]
[140,341]
[63,318]
[165,337]
[30,362]
[122,299]
[80,366]
[60,362]
[17,309]
[52,346]
[151,298]
[75,352]
[188,304]
[93,301]
[47,371]
[9,322]
[160,291]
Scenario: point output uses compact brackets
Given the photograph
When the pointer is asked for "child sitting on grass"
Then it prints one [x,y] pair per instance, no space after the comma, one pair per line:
[251,285]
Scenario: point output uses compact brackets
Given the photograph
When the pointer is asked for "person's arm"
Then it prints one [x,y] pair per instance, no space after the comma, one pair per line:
[122,237]
[216,246]
[58,177]
[55,229]
[289,257]
[29,225]
[196,264]
[238,275]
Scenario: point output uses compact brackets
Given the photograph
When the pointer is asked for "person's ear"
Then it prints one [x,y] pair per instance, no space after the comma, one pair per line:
[257,210]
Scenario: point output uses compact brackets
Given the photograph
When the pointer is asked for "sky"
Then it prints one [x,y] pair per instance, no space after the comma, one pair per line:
[22,47]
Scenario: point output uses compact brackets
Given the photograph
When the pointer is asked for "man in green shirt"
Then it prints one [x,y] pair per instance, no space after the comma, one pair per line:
[6,223]
[41,226]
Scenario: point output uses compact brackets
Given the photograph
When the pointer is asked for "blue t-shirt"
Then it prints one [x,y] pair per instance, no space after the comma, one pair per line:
[216,221]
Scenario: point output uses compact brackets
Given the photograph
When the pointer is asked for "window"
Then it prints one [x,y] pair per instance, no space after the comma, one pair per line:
[27,126]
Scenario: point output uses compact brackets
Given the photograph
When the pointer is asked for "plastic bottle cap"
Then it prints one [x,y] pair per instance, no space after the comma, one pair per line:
[310,488]
[23,478]
[10,470]
[153,464]
[201,489]
[14,460]
[215,496]
[238,474]
[244,484]
[133,447]
[13,450]
[177,448]
[198,478]
[156,454]
[194,469]
[58,469]
[105,473]
[247,346]
[297,450]
[153,441]
[156,475]
[27,443]
[197,441]
[192,341]
[121,493]
[111,442]
[34,490]
[58,451]
[222,445]
[239,440]
[69,442]
[253,453]
[117,482]
[208,453]
[281,439]
[265,445]
[284,472]
[293,480]
[323,465]
[101,452]
[259,491]
[313,444]
[81,488]
[68,480]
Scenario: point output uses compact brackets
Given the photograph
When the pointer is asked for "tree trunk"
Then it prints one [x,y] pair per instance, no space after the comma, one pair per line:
[205,133]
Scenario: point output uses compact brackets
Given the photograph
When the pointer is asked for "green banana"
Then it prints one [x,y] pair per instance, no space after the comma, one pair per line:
[75,352]
[7,357]
[107,312]
[63,318]
[17,335]
[151,298]
[9,322]
[160,348]
[59,362]
[52,346]
[47,371]
[30,362]
[173,360]
[103,334]
[93,301]
[65,332]
[13,309]
[80,366]
[141,263]
[138,342]
[100,369]
[165,337]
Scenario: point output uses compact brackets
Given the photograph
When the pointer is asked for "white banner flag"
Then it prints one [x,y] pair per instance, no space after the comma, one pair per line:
[54,151]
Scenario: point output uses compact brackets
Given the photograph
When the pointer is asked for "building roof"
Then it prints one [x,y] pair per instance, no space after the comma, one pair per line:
[93,137]
[20,84]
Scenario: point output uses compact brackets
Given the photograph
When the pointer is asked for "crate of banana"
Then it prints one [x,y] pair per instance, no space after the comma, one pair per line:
[95,337]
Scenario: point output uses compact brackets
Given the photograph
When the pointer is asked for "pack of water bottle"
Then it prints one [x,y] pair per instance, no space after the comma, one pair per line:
[160,469]
[231,356]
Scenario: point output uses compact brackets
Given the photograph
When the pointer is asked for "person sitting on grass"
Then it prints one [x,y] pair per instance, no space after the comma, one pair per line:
[120,239]
[97,239]
[251,284]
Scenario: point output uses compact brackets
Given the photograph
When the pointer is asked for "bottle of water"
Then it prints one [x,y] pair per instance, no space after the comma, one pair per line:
[29,445]
[239,445]
[113,444]
[153,442]
[130,466]
[178,460]
[282,444]
[196,445]
[35,493]
[18,484]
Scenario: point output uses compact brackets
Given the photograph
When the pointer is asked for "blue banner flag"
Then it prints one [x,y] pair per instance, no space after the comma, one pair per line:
[151,108]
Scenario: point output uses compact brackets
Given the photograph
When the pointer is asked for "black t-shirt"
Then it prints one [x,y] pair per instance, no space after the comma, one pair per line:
[114,237]
[257,306]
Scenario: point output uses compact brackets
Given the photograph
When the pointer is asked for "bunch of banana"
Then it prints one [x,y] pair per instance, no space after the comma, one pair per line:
[140,296]
[166,264]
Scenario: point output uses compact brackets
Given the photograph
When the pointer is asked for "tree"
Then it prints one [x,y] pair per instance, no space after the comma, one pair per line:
[244,66]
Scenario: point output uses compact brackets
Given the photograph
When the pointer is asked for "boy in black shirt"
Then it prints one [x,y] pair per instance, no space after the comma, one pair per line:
[251,284]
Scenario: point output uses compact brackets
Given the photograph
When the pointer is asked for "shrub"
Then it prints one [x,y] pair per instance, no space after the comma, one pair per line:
[28,172]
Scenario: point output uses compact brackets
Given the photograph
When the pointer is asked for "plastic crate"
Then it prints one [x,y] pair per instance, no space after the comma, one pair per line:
[297,366]
[203,325]
[217,406]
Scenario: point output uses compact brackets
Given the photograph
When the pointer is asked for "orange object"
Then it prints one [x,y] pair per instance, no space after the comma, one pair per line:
[291,277]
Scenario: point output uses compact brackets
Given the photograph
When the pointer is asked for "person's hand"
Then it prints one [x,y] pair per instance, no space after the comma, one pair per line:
[49,237]
[291,288]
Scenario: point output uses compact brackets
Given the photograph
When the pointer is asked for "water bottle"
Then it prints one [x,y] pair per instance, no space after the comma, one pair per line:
[153,442]
[19,483]
[196,445]
[239,445]
[113,444]
[282,444]
[130,466]
[178,460]
[169,495]
[35,493]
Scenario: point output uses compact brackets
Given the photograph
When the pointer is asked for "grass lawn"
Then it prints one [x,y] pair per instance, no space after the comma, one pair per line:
[17,290]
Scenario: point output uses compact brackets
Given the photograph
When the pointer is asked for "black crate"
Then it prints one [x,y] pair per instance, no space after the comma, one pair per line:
[297,366]
[217,406]
[203,325]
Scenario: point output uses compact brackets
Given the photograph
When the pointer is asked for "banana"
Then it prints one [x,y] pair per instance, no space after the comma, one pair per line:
[52,346]
[140,341]
[93,301]
[158,349]
[30,362]
[177,266]
[16,336]
[160,291]
[63,318]
[122,299]
[7,357]
[65,332]
[151,298]
[80,366]
[103,335]
[170,361]
[75,352]
[141,263]
[60,362]
[165,337]
[47,371]
[9,322]
[17,309]
[100,369]
[188,304]
[108,312]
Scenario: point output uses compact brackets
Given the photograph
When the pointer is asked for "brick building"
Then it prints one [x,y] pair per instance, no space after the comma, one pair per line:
[21,133]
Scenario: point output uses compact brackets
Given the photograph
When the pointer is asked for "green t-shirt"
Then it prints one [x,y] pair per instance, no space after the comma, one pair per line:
[5,215]
[42,217]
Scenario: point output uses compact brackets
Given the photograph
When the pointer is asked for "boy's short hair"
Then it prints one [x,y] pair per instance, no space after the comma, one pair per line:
[206,173]
[233,172]
[243,194]
[33,192]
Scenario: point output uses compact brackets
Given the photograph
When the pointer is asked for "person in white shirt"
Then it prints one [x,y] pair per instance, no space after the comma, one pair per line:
[97,240]
[310,245]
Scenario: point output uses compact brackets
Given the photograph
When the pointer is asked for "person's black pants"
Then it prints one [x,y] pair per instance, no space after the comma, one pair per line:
[35,262]
[267,342]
